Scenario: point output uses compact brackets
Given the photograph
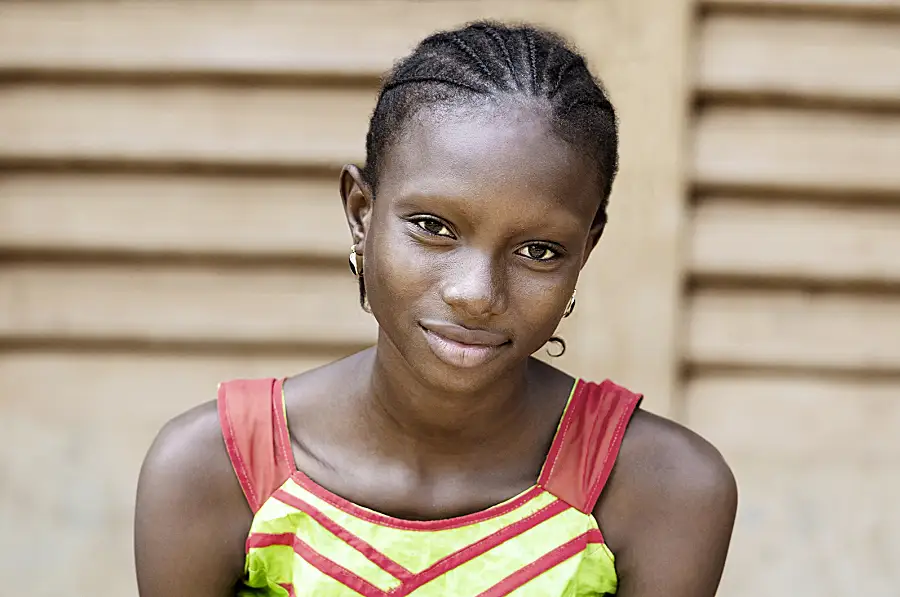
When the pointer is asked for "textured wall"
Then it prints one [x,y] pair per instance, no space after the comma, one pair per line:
[792,313]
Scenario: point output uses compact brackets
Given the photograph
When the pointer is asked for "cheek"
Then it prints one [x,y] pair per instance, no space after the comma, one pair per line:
[539,299]
[399,270]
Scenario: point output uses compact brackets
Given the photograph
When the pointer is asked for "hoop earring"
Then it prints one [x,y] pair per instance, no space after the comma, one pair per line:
[356,267]
[559,342]
[570,307]
[356,262]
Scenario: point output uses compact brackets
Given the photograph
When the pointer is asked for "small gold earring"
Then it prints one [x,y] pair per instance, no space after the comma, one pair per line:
[356,262]
[571,306]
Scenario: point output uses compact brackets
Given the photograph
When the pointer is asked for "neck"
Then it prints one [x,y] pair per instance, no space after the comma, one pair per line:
[429,423]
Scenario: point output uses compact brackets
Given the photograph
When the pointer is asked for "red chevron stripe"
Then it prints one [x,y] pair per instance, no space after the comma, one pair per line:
[317,561]
[595,537]
[539,566]
[480,547]
[266,540]
[336,571]
[289,587]
[372,554]
[413,581]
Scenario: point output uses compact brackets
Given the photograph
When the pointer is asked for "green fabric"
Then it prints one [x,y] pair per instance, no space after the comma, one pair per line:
[588,572]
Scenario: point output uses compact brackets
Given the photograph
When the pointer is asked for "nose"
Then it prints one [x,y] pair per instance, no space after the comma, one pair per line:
[475,286]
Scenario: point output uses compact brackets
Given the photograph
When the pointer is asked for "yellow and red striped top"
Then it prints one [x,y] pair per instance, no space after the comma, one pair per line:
[307,541]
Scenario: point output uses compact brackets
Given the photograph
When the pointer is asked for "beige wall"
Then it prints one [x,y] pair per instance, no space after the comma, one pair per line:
[791,335]
[169,219]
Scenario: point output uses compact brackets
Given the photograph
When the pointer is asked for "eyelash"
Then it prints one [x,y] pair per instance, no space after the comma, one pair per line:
[421,221]
[549,248]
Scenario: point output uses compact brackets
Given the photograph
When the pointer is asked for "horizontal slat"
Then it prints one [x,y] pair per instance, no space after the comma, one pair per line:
[82,423]
[794,329]
[139,391]
[798,150]
[794,520]
[351,37]
[797,419]
[875,7]
[784,239]
[173,214]
[829,58]
[816,464]
[168,304]
[185,123]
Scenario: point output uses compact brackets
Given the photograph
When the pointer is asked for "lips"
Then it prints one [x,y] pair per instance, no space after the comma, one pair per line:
[462,347]
[462,335]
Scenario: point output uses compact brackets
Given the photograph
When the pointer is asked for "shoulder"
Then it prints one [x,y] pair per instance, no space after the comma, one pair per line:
[187,476]
[665,472]
[191,518]
[662,454]
[188,464]
[187,445]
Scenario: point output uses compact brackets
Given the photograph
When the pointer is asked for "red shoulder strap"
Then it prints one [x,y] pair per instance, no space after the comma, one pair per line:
[252,416]
[588,440]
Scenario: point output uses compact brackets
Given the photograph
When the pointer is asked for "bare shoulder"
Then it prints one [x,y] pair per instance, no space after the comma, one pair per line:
[191,518]
[665,470]
[661,453]
[188,456]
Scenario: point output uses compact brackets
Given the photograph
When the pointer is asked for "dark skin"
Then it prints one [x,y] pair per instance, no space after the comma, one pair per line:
[483,219]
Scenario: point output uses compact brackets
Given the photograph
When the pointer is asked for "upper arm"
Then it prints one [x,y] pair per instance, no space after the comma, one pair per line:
[191,519]
[669,513]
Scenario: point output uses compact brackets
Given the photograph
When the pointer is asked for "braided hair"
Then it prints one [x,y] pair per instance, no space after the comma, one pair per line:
[484,61]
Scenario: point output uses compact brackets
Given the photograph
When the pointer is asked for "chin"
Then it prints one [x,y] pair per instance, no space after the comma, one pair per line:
[457,381]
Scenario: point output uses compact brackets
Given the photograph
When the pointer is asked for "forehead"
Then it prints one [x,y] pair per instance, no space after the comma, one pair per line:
[499,150]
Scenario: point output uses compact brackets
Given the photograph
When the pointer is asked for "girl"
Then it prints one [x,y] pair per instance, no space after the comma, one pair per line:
[446,460]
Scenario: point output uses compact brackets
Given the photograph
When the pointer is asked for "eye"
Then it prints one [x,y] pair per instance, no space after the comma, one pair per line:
[538,252]
[433,226]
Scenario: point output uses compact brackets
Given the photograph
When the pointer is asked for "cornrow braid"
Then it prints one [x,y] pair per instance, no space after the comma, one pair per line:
[574,62]
[529,38]
[442,80]
[485,60]
[499,43]
[462,45]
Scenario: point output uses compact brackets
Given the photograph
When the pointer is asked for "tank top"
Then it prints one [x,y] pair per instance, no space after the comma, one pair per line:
[307,541]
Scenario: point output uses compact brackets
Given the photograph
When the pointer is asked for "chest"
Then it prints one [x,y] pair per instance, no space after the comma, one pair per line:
[404,494]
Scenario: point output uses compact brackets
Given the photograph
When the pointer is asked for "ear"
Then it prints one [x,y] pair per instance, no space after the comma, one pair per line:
[358,204]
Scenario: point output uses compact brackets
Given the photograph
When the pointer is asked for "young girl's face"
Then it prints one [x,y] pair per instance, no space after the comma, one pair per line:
[482,221]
